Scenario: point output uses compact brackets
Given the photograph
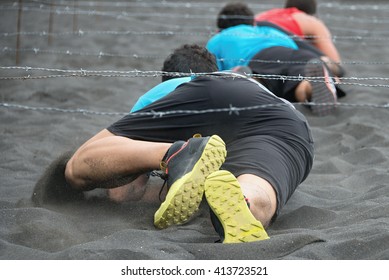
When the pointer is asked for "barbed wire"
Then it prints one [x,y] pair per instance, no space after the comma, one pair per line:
[207,5]
[157,73]
[60,110]
[140,4]
[209,33]
[70,9]
[359,31]
[118,14]
[354,19]
[129,15]
[154,73]
[230,110]
[106,32]
[354,7]
[70,52]
[101,54]
[64,73]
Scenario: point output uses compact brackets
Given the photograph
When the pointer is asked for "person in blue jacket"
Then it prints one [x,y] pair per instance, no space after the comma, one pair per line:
[180,67]
[289,71]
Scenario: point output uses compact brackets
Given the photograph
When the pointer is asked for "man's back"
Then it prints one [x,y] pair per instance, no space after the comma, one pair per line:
[235,46]
[283,18]
[303,25]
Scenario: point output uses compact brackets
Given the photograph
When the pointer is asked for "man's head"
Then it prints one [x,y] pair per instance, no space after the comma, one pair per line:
[235,14]
[189,59]
[307,6]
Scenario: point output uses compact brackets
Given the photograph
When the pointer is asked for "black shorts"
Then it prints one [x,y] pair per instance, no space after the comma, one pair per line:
[292,63]
[273,142]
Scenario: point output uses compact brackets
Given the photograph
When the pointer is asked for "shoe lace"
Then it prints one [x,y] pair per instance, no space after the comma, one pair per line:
[163,175]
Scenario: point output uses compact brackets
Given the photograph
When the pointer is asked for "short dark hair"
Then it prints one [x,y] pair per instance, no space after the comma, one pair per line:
[189,58]
[235,14]
[307,6]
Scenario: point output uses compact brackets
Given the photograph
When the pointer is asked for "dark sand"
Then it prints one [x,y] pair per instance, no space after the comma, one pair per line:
[340,212]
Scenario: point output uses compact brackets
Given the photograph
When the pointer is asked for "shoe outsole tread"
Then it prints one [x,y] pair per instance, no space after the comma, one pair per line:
[185,194]
[323,92]
[233,213]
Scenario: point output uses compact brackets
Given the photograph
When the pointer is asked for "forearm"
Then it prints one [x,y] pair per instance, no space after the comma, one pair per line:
[328,48]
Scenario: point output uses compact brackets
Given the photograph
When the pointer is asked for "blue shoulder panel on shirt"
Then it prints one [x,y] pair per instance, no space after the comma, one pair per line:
[158,92]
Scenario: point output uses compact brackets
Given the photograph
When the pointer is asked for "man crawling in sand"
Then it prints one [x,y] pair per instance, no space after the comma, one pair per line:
[220,136]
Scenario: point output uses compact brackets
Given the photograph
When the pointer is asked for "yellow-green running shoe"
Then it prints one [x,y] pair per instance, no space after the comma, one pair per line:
[187,165]
[235,223]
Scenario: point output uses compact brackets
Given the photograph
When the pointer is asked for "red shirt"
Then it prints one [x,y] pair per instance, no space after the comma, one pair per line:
[283,18]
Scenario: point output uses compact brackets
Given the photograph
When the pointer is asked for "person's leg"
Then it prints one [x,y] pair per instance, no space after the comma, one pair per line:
[303,44]
[133,191]
[303,92]
[240,207]
[243,202]
[260,196]
[259,176]
[322,90]
[112,161]
[116,155]
[317,86]
[335,67]
[53,187]
[272,64]
[187,167]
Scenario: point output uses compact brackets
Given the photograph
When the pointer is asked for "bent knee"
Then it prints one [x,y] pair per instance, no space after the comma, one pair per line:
[70,175]
[261,197]
[263,210]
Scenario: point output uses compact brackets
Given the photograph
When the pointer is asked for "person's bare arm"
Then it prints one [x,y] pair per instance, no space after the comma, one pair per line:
[108,161]
[322,38]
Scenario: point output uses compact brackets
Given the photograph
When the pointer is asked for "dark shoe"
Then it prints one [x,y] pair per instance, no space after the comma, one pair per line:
[187,165]
[324,96]
[232,218]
